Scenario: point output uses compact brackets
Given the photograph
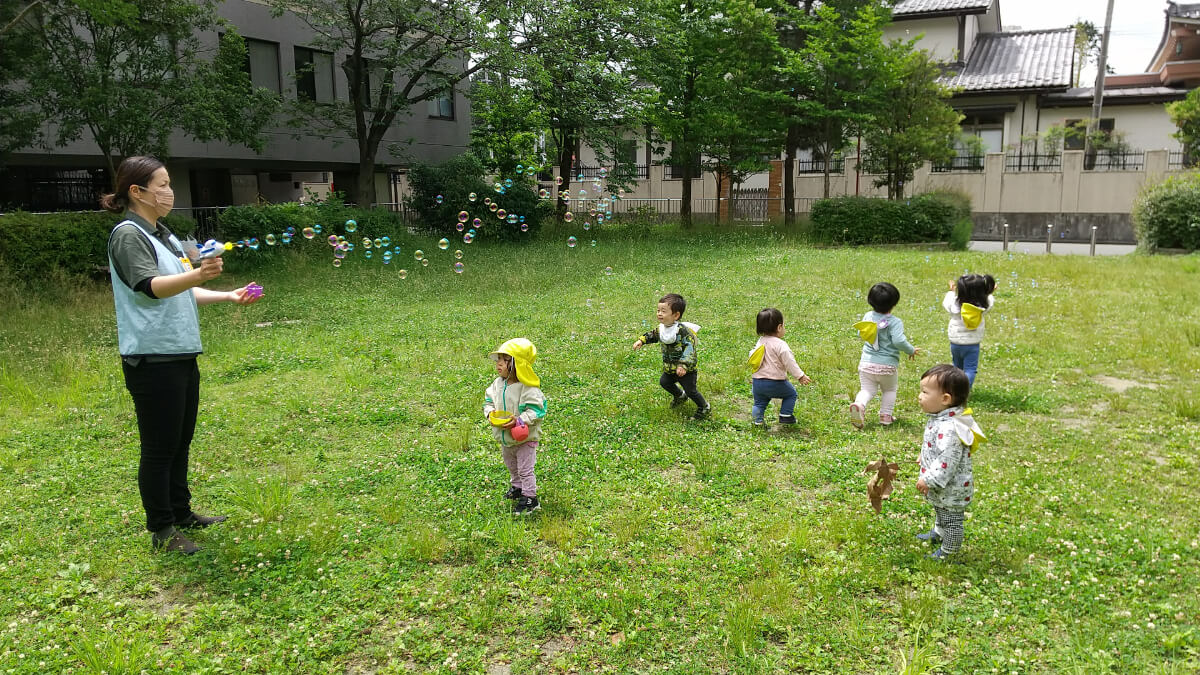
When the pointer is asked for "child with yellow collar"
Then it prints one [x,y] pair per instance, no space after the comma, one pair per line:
[967,301]
[514,406]
[947,478]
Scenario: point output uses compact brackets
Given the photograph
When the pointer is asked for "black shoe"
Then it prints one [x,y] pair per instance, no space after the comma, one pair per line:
[196,521]
[678,401]
[526,505]
[170,539]
[702,413]
[787,419]
[513,493]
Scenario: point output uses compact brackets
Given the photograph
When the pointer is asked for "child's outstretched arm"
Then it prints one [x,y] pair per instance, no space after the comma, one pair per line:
[898,338]
[646,338]
[793,368]
[950,303]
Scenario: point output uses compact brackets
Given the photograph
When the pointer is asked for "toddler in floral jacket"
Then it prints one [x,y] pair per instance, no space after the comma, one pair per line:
[951,434]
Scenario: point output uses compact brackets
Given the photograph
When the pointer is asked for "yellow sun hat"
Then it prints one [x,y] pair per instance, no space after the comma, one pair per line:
[523,354]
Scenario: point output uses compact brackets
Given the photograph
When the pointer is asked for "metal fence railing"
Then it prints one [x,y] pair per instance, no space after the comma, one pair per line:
[837,166]
[962,163]
[1133,160]
[1181,160]
[1019,162]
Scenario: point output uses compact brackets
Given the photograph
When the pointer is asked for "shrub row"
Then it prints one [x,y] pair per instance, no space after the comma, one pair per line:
[1167,215]
[455,181]
[930,217]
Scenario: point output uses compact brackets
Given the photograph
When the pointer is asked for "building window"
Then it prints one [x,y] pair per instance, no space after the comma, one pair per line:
[442,106]
[627,151]
[1076,135]
[262,64]
[314,75]
[677,164]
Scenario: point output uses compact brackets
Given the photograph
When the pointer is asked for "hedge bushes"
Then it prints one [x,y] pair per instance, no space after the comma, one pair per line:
[861,220]
[36,244]
[454,181]
[1167,215]
[244,222]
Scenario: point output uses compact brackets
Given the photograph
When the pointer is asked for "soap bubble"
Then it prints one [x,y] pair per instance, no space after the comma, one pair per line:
[317,228]
[418,254]
[333,240]
[592,212]
[558,180]
[438,199]
[603,173]
[337,262]
[270,239]
[253,243]
[493,206]
[463,215]
[387,256]
[366,242]
[501,214]
[339,254]
[459,226]
[477,222]
[524,227]
[607,271]
[386,260]
[290,231]
[403,273]
[587,225]
[424,262]
[387,241]
[571,241]
[458,254]
[458,268]
[285,238]
[497,187]
[397,250]
[472,197]
[582,193]
[508,182]
[367,255]
[351,225]
[521,168]
[593,243]
[544,193]
[487,200]
[468,238]
[348,246]
[568,216]
[512,219]
[239,243]
[378,242]
[472,232]
[443,243]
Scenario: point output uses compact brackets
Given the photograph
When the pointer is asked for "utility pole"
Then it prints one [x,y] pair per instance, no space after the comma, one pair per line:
[1098,92]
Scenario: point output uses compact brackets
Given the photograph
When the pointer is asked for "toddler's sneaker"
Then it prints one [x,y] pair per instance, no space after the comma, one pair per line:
[526,506]
[931,536]
[939,554]
[702,413]
[759,423]
[856,415]
[513,493]
[787,419]
[678,401]
[886,420]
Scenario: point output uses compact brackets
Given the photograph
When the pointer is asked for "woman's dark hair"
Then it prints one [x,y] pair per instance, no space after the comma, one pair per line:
[883,297]
[133,171]
[675,301]
[975,289]
[950,380]
[768,321]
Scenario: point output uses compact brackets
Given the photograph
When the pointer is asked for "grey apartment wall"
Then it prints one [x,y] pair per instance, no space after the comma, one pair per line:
[433,140]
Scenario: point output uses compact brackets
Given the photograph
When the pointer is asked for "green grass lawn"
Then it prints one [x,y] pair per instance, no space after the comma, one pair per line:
[368,532]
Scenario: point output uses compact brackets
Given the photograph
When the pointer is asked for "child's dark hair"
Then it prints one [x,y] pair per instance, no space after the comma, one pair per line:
[950,380]
[883,297]
[769,320]
[675,301]
[975,289]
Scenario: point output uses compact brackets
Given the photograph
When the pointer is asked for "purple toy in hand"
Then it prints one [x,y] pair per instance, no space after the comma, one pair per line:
[254,291]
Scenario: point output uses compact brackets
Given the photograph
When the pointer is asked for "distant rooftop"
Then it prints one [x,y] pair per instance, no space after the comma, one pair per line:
[908,7]
[1038,59]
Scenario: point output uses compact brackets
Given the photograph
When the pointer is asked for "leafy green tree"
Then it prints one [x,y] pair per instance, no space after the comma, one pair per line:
[130,73]
[916,126]
[397,54]
[1185,115]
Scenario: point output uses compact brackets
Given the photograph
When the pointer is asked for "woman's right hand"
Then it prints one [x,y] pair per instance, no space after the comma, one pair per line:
[210,268]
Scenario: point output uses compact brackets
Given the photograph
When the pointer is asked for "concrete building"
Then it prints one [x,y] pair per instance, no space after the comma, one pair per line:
[291,166]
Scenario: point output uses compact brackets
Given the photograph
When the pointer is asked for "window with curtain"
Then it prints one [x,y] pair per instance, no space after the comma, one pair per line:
[442,106]
[314,75]
[262,63]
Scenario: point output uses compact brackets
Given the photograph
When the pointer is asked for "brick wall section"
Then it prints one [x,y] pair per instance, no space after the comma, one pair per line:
[775,191]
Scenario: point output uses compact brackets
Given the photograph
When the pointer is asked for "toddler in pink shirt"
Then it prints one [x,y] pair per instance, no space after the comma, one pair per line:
[772,362]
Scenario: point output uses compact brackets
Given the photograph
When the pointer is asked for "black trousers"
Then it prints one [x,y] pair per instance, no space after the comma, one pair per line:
[671,382]
[166,396]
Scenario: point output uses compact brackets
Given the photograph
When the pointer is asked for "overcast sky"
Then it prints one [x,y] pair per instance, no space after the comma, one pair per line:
[1137,25]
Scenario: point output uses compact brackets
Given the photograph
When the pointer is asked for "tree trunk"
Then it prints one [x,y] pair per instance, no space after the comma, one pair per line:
[685,206]
[789,172]
[566,155]
[365,181]
[719,174]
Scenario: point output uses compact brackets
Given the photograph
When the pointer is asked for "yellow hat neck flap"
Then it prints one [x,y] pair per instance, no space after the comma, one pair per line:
[523,354]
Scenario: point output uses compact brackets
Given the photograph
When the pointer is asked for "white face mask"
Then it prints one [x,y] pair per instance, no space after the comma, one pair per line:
[164,199]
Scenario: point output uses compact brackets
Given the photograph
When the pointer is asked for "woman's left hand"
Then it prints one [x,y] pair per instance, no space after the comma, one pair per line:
[241,297]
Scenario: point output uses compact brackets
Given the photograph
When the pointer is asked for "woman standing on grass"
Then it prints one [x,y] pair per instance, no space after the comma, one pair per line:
[156,290]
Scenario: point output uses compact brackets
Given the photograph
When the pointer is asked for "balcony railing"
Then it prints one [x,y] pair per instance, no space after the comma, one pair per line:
[1133,160]
[1032,162]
